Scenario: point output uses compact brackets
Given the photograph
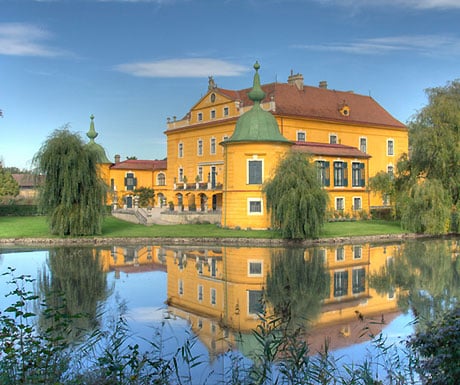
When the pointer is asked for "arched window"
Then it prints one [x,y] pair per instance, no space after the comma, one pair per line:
[161,179]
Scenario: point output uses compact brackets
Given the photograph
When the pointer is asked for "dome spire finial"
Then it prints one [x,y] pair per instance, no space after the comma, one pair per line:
[91,134]
[256,94]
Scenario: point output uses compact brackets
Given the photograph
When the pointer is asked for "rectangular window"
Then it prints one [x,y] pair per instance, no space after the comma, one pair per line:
[200,293]
[357,252]
[255,206]
[340,174]
[340,283]
[333,139]
[225,111]
[213,114]
[340,254]
[130,181]
[390,147]
[358,175]
[254,269]
[161,179]
[390,171]
[200,173]
[181,174]
[112,184]
[200,116]
[323,172]
[357,203]
[255,305]
[180,150]
[358,280]
[213,296]
[213,267]
[181,287]
[363,144]
[255,172]
[301,136]
[340,204]
[213,146]
[199,147]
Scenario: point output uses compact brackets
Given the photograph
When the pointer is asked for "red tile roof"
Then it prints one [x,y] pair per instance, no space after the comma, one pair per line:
[320,103]
[327,149]
[138,164]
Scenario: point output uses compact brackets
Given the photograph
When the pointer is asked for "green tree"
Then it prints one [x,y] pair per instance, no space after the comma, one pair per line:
[426,208]
[146,195]
[295,198]
[8,185]
[296,286]
[73,194]
[434,135]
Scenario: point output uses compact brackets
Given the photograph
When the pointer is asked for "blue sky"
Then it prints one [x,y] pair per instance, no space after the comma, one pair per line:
[134,63]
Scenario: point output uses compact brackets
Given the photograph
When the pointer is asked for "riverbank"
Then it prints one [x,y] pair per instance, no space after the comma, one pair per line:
[120,241]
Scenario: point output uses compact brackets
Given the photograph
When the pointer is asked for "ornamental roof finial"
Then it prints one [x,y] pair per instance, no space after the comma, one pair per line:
[256,94]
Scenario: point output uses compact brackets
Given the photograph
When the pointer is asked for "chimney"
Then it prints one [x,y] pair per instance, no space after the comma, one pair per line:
[296,80]
[117,159]
[323,84]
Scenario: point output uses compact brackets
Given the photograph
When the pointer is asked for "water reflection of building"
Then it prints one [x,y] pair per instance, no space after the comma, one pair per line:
[218,291]
[133,259]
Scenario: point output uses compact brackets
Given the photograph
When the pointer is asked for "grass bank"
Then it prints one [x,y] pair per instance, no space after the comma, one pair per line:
[37,227]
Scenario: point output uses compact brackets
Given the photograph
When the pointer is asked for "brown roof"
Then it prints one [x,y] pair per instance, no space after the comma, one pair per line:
[28,180]
[320,103]
[327,149]
[138,164]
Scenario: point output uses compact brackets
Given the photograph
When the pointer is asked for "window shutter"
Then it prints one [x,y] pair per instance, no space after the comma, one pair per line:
[135,182]
[327,175]
[362,175]
[345,174]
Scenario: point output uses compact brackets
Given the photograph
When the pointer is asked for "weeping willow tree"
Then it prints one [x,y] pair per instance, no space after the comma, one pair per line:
[296,286]
[295,198]
[426,275]
[76,284]
[426,208]
[73,195]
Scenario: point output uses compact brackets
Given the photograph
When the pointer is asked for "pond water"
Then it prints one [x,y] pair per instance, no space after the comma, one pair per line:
[341,292]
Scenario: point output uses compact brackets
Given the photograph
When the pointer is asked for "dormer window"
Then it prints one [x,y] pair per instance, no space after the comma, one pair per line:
[344,110]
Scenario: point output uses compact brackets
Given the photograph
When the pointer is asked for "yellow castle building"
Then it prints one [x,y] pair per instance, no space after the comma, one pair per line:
[228,144]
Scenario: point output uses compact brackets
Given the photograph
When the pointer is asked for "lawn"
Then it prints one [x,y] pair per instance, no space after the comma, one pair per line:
[37,227]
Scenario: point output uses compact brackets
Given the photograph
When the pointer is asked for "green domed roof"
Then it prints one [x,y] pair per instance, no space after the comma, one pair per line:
[256,125]
[92,134]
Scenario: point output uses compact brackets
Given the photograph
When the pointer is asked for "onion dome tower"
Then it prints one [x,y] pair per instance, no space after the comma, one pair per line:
[92,134]
[251,155]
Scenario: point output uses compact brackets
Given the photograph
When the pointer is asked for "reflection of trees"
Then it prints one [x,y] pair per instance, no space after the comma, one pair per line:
[75,284]
[296,286]
[427,274]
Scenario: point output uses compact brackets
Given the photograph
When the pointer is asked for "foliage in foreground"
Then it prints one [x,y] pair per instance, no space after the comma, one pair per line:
[29,355]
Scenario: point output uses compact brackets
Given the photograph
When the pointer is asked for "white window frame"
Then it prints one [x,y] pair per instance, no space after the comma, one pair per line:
[200,293]
[253,262]
[180,150]
[357,252]
[212,114]
[256,159]
[304,135]
[333,136]
[199,116]
[180,287]
[341,257]
[199,172]
[212,146]
[360,203]
[180,174]
[199,147]
[335,203]
[392,152]
[213,296]
[226,111]
[365,144]
[261,212]
[164,179]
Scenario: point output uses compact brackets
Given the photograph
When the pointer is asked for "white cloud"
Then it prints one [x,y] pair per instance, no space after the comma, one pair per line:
[417,4]
[20,39]
[181,68]
[421,44]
